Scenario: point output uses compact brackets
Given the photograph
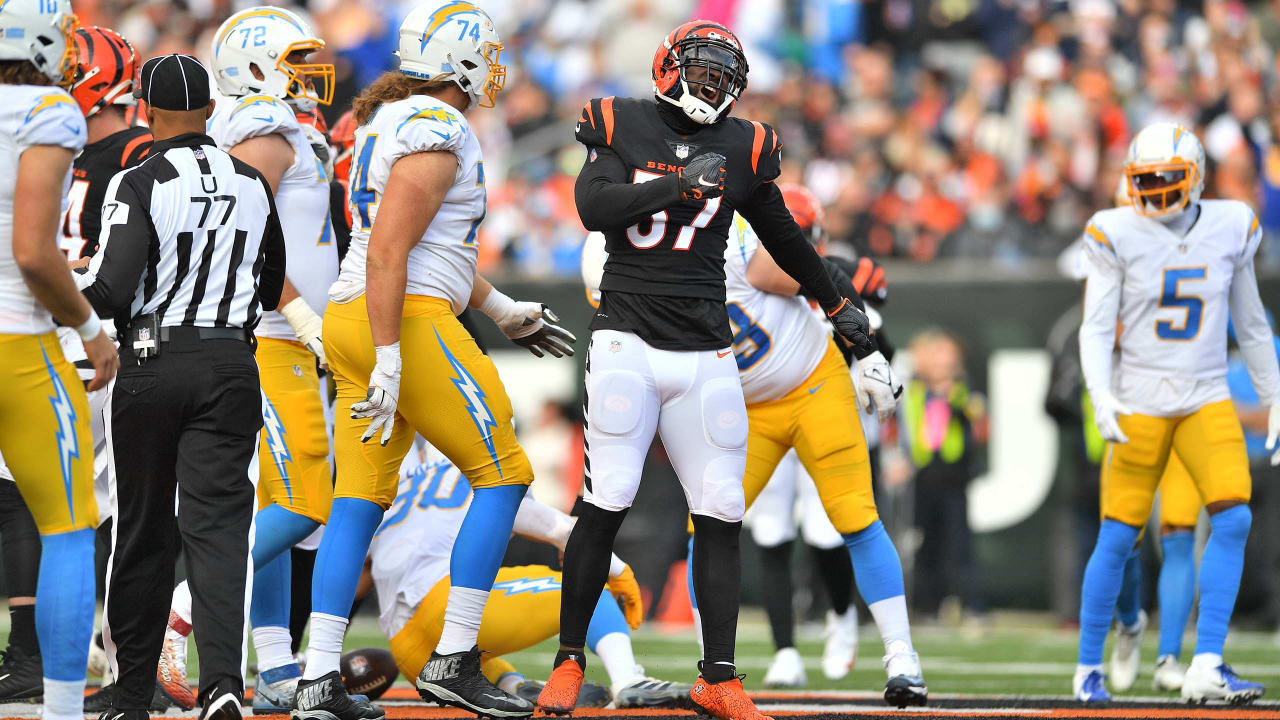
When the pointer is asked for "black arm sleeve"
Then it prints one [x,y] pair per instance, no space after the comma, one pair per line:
[271,280]
[784,240]
[338,218]
[123,246]
[608,200]
[843,282]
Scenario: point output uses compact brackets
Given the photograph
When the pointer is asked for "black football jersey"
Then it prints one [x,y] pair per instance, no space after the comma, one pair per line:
[91,172]
[664,279]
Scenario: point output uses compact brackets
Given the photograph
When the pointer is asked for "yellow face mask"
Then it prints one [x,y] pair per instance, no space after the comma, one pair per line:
[305,77]
[497,75]
[1160,188]
[70,59]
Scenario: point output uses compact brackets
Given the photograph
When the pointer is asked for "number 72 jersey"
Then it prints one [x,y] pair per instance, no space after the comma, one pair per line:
[1174,298]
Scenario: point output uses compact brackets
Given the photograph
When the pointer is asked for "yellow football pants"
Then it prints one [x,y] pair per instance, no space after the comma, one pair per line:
[1209,442]
[1180,502]
[44,433]
[450,394]
[820,420]
[293,450]
[518,616]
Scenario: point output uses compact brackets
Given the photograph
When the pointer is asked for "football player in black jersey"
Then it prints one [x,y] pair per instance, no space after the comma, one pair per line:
[103,87]
[662,180]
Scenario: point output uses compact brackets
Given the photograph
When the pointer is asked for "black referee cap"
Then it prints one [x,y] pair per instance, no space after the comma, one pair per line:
[174,82]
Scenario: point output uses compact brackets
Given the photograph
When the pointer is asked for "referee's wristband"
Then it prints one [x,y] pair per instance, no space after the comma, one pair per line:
[91,328]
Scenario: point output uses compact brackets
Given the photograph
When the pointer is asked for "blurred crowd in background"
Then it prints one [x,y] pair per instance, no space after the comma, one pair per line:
[929,128]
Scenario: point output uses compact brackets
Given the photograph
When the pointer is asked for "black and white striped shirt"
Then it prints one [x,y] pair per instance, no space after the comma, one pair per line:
[192,235]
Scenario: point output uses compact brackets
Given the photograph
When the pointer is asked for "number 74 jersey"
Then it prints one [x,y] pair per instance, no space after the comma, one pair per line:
[1175,290]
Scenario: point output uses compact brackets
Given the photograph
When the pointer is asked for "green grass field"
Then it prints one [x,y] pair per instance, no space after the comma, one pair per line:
[1011,655]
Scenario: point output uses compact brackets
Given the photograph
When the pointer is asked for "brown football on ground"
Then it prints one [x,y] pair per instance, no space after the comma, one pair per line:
[368,671]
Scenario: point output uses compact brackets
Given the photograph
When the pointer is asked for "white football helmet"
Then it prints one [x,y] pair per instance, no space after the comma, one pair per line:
[1164,169]
[42,33]
[262,38]
[456,42]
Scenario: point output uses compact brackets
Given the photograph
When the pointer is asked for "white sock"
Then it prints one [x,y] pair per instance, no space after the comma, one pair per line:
[891,619]
[180,605]
[509,682]
[462,620]
[273,645]
[697,629]
[619,660]
[1206,660]
[324,651]
[1083,670]
[63,700]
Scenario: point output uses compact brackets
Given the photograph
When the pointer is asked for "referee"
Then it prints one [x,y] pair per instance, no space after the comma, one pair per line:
[191,255]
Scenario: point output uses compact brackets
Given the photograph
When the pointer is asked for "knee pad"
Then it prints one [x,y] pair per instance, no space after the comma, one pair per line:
[1234,522]
[616,405]
[724,414]
[722,496]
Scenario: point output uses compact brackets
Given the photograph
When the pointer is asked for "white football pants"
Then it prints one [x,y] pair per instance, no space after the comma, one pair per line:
[692,398]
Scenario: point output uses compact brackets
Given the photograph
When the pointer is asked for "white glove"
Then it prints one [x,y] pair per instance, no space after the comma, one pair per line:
[384,392]
[878,386]
[307,325]
[1273,433]
[1106,408]
[526,324]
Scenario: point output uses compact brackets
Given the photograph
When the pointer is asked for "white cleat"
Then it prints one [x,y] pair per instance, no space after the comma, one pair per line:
[786,670]
[842,643]
[1126,652]
[905,685]
[1168,675]
[1204,682]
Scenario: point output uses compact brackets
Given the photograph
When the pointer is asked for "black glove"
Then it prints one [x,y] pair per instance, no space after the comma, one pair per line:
[870,282]
[703,177]
[852,324]
[551,338]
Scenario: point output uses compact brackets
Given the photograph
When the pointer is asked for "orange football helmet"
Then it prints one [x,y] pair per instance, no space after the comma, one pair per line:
[106,69]
[700,68]
[805,210]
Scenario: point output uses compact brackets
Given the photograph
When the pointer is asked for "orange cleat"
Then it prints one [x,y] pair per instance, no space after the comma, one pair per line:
[726,700]
[171,671]
[560,695]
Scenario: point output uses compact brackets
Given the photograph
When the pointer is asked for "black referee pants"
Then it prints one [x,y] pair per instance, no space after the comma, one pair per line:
[186,423]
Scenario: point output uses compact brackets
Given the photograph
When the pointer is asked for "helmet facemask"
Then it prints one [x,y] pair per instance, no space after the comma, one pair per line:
[70,59]
[713,74]
[495,77]
[304,76]
[1161,189]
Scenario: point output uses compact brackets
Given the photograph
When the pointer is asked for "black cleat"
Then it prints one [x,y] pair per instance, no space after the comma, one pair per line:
[904,690]
[223,707]
[325,698]
[456,680]
[21,676]
[103,700]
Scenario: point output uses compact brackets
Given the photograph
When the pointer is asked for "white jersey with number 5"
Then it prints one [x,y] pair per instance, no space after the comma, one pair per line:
[302,200]
[1175,296]
[31,115]
[443,263]
[777,341]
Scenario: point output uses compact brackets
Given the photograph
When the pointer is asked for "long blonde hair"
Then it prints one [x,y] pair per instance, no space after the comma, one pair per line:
[390,87]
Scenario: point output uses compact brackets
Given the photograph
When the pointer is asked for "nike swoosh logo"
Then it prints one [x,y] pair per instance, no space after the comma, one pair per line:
[705,183]
[816,388]
[720,354]
[495,697]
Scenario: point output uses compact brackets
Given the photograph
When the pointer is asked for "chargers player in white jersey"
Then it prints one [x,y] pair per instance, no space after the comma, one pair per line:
[1169,268]
[262,68]
[799,394]
[409,560]
[44,414]
[417,196]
